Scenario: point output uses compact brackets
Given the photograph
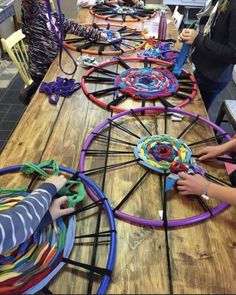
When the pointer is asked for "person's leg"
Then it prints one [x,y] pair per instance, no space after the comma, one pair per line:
[208,89]
[27,93]
[232,178]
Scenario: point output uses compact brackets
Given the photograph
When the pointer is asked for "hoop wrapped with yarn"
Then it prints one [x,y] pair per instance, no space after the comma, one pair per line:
[137,81]
[28,264]
[160,49]
[121,12]
[166,155]
[120,39]
[149,83]
[159,152]
[149,150]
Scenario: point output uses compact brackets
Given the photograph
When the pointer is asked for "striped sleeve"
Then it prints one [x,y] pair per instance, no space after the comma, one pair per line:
[30,7]
[71,27]
[20,222]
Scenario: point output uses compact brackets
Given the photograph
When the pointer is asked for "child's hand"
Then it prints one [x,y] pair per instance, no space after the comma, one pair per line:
[111,36]
[58,181]
[210,152]
[138,2]
[188,36]
[103,36]
[191,184]
[57,208]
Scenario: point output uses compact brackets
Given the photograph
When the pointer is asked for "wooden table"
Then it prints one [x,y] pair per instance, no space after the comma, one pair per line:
[202,256]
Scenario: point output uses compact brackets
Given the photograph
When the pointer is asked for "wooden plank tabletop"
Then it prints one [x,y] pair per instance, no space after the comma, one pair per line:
[201,256]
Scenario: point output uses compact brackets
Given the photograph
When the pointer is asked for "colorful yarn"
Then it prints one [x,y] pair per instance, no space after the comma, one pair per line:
[24,267]
[27,264]
[148,83]
[170,55]
[166,154]
[113,37]
[74,189]
[160,50]
[161,45]
[63,242]
[159,152]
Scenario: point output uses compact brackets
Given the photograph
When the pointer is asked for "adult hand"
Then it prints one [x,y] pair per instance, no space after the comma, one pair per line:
[57,208]
[191,184]
[188,36]
[58,181]
[210,152]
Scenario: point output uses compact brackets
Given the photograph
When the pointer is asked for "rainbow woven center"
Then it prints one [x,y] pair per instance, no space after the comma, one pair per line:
[147,83]
[163,153]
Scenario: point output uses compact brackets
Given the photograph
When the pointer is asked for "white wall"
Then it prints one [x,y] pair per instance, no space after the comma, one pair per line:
[69,8]
[154,1]
[17,5]
[7,28]
[234,74]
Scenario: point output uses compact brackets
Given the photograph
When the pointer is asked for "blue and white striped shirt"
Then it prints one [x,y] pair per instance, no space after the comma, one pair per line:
[19,223]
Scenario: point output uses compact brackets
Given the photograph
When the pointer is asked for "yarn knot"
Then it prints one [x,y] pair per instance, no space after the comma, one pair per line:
[62,86]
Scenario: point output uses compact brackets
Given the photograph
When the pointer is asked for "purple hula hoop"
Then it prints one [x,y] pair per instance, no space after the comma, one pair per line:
[146,221]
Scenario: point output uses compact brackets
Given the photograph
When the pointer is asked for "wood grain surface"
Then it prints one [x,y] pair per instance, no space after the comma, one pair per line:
[202,256]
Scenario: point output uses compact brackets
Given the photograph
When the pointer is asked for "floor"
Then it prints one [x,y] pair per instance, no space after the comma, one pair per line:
[228,93]
[7,71]
[11,109]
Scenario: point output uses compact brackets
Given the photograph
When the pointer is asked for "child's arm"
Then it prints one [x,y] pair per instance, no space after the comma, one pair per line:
[211,152]
[57,209]
[198,185]
[71,27]
[20,222]
[30,8]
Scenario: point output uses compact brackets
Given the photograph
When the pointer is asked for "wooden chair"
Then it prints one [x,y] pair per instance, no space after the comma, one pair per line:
[16,49]
[177,17]
[52,4]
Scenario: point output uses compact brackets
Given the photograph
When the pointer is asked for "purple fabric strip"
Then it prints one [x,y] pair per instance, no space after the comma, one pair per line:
[62,86]
[60,37]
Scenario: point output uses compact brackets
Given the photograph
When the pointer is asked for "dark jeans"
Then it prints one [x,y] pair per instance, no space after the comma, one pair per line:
[232,178]
[27,93]
[208,88]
